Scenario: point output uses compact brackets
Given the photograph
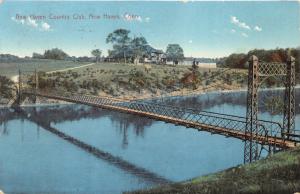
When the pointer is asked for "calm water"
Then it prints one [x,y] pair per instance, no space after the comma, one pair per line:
[33,160]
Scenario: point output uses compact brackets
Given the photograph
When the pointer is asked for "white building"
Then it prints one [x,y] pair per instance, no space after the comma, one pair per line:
[207,65]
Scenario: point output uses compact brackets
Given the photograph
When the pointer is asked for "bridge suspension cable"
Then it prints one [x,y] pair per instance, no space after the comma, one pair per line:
[251,129]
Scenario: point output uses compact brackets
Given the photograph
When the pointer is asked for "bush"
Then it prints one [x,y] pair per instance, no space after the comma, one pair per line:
[56,54]
[6,87]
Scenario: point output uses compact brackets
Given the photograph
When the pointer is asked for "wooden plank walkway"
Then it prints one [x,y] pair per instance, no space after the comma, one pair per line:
[111,104]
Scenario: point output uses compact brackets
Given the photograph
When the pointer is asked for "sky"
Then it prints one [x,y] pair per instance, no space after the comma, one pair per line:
[203,29]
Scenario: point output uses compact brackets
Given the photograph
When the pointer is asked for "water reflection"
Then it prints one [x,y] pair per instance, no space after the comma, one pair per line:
[47,164]
[173,152]
[210,100]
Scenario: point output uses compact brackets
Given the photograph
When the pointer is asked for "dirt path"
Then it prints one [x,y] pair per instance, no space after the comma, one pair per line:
[15,78]
[71,68]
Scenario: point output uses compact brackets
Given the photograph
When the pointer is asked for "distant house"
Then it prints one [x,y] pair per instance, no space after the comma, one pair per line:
[199,62]
[155,56]
[207,65]
[159,57]
[169,62]
[187,61]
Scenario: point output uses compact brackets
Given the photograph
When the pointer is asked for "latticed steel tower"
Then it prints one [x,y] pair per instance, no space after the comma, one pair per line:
[23,79]
[289,100]
[257,73]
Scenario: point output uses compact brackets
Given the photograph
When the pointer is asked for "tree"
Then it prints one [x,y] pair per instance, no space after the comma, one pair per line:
[138,47]
[174,52]
[56,54]
[120,40]
[8,58]
[96,53]
[37,56]
[236,60]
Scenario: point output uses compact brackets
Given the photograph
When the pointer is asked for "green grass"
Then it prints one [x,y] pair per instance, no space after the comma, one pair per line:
[277,174]
[125,80]
[120,79]
[11,68]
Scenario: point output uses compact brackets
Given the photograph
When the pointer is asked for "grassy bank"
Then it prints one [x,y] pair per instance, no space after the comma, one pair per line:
[132,81]
[278,174]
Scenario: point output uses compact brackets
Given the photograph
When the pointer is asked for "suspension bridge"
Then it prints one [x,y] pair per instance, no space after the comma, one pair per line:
[257,134]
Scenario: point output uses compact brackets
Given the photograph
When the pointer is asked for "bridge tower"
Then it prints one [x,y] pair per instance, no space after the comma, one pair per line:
[257,73]
[289,100]
[35,84]
[24,81]
[251,147]
[19,91]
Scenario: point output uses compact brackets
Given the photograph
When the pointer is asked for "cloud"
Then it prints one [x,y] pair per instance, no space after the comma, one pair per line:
[244,35]
[139,18]
[190,41]
[147,19]
[31,22]
[257,28]
[240,24]
[22,21]
[28,22]
[233,31]
[45,26]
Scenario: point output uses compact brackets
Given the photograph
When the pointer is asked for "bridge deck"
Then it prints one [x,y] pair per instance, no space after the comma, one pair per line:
[225,125]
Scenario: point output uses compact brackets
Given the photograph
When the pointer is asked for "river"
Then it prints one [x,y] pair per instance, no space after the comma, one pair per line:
[35,160]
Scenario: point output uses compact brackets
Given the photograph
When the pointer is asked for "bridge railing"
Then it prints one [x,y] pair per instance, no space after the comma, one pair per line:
[231,122]
[192,116]
[273,129]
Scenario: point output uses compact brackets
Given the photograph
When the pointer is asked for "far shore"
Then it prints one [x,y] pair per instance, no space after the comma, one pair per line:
[39,104]
[145,97]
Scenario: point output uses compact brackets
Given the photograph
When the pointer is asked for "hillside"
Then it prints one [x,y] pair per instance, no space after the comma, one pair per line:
[129,80]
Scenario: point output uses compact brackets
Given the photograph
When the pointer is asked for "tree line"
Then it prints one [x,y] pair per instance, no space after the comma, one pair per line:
[125,48]
[280,55]
[239,60]
[134,48]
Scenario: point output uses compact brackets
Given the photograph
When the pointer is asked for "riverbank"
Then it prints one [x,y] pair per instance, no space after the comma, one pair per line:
[140,82]
[277,174]
[44,102]
[203,92]
[51,102]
